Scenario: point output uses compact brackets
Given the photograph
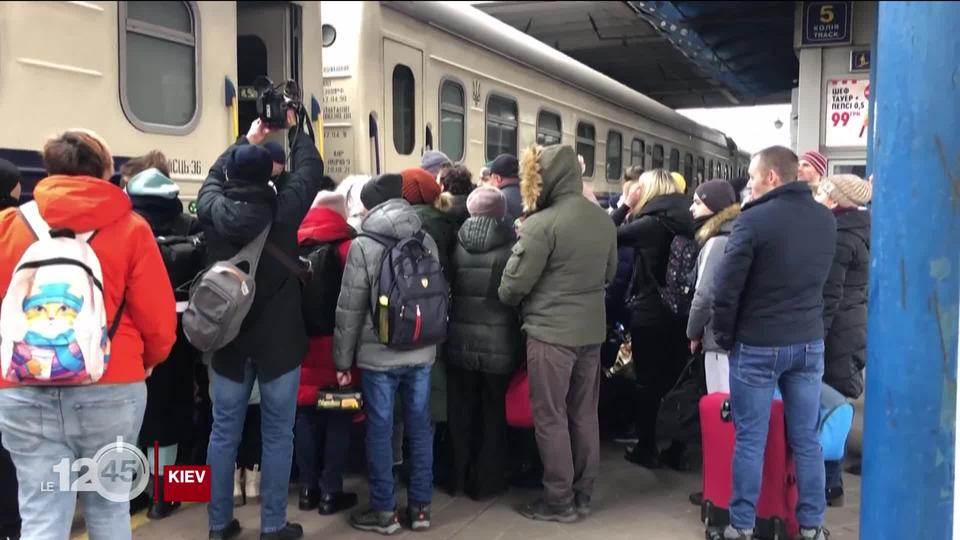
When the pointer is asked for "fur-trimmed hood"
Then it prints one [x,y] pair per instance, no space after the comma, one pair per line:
[721,221]
[548,174]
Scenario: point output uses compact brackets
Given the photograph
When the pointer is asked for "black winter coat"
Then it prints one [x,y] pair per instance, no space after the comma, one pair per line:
[169,414]
[845,304]
[650,234]
[484,334]
[232,214]
[769,286]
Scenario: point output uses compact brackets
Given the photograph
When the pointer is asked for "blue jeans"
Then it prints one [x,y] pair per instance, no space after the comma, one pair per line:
[42,426]
[754,374]
[322,439]
[379,392]
[278,404]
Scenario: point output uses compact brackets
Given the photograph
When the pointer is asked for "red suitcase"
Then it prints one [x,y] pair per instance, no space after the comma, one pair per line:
[776,507]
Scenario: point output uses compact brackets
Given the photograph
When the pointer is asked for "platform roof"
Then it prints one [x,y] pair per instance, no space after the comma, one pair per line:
[683,54]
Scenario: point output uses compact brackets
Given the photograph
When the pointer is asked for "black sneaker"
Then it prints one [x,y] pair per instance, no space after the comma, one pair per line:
[385,523]
[419,517]
[675,457]
[581,502]
[230,531]
[331,503]
[696,499]
[291,531]
[541,511]
[835,497]
[309,499]
[642,456]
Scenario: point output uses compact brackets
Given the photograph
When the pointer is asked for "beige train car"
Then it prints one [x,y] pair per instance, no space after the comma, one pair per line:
[401,78]
[148,75]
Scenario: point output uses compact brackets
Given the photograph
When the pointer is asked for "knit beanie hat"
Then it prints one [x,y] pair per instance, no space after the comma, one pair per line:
[9,177]
[152,183]
[817,160]
[487,201]
[419,186]
[276,152]
[332,200]
[380,190]
[717,195]
[848,190]
[680,180]
[249,163]
[505,165]
[433,161]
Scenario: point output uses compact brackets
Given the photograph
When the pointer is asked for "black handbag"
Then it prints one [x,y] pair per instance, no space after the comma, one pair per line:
[679,416]
[339,399]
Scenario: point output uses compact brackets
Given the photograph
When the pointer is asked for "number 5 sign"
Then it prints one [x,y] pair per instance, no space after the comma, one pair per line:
[846,112]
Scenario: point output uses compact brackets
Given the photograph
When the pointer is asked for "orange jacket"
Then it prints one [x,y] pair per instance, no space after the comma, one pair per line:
[129,258]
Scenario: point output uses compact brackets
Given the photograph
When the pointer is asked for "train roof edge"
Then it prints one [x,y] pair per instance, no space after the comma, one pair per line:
[490,33]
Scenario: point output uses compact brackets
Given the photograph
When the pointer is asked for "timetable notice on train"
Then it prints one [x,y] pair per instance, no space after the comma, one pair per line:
[338,140]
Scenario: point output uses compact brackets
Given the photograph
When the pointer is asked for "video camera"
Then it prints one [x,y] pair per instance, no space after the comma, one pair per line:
[273,101]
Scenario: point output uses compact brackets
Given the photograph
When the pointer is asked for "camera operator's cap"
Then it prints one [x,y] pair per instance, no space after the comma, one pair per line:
[249,163]
[505,165]
[152,183]
[433,161]
[381,189]
[277,153]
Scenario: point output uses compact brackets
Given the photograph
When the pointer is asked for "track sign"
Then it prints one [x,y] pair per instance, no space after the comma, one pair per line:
[847,121]
[827,23]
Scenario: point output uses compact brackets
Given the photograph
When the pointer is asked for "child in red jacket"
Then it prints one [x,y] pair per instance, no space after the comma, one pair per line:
[322,438]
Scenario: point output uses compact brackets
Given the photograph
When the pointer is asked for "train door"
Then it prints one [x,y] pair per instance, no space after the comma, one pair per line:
[268,44]
[402,105]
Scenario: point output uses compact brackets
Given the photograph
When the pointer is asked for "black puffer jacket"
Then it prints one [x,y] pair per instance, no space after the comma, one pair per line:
[650,234]
[484,334]
[845,304]
[233,214]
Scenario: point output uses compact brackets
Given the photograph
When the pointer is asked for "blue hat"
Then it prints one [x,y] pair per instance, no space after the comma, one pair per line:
[433,161]
[249,163]
[53,293]
[276,152]
[153,183]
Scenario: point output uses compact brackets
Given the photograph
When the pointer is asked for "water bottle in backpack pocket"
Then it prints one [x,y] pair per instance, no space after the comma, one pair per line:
[53,324]
[410,307]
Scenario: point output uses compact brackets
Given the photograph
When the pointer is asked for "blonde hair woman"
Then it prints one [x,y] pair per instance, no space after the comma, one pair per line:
[655,212]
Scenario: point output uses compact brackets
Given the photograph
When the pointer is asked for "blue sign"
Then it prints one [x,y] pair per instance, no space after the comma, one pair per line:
[860,60]
[827,23]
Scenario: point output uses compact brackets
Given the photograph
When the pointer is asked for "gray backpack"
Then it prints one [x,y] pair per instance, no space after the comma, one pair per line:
[221,297]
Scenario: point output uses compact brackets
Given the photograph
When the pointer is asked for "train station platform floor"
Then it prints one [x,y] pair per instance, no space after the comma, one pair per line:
[630,503]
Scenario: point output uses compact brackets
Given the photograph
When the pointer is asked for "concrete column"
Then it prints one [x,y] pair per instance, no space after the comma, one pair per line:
[810,95]
[909,433]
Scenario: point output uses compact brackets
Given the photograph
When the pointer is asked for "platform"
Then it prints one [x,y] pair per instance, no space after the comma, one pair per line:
[630,503]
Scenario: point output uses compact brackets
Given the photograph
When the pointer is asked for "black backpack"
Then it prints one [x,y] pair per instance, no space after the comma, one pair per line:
[680,279]
[183,256]
[410,309]
[322,289]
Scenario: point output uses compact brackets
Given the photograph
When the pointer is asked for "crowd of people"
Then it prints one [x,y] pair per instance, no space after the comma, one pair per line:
[536,277]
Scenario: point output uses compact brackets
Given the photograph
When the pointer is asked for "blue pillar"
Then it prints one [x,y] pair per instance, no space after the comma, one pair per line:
[908,462]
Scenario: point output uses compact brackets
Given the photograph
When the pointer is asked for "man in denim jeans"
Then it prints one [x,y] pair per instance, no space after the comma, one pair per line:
[385,371]
[768,312]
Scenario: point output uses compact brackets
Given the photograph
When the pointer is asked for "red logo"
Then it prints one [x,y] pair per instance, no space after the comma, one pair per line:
[186,483]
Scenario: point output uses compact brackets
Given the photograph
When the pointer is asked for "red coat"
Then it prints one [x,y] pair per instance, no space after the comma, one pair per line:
[317,371]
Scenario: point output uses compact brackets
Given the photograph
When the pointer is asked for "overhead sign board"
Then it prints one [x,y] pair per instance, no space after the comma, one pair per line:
[846,115]
[827,23]
[859,60]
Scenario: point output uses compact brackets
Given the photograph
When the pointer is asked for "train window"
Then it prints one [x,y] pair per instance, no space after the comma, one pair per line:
[159,65]
[404,109]
[674,160]
[657,161]
[587,146]
[700,171]
[614,155]
[549,128]
[501,126]
[688,168]
[452,114]
[636,153]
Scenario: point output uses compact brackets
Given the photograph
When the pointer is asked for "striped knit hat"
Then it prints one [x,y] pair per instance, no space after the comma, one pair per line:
[848,190]
[817,160]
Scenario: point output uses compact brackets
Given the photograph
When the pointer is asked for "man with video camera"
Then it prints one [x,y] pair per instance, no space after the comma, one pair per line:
[236,204]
